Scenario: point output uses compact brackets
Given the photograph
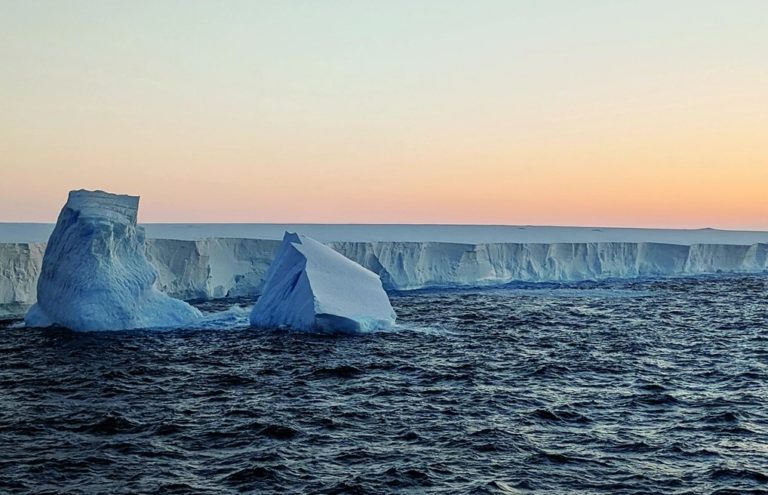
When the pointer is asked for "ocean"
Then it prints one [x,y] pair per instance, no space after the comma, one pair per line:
[616,387]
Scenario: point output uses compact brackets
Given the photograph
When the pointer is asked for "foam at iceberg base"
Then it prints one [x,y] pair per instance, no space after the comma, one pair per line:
[95,274]
[311,287]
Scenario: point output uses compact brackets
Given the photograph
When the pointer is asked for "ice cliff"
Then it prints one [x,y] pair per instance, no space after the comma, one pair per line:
[311,287]
[20,265]
[222,267]
[212,268]
[95,274]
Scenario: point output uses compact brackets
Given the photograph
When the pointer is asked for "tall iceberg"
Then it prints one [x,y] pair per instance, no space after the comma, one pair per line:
[311,287]
[95,274]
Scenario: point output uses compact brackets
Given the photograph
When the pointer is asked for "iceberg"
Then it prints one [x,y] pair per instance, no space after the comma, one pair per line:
[95,274]
[227,267]
[311,287]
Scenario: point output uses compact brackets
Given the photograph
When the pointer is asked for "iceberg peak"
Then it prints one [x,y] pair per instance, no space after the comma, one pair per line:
[120,208]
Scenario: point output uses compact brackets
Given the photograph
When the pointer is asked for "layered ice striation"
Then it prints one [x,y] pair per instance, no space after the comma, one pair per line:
[224,267]
[95,274]
[211,268]
[311,287]
[20,265]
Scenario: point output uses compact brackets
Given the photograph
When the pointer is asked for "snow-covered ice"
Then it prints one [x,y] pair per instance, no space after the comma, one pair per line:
[311,287]
[463,234]
[214,267]
[19,269]
[95,274]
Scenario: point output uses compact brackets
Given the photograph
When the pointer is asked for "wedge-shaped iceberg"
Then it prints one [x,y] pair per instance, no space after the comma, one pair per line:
[311,287]
[95,274]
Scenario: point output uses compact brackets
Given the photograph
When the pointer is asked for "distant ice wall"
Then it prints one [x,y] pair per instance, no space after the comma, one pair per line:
[211,268]
[221,267]
[20,266]
[462,234]
[419,265]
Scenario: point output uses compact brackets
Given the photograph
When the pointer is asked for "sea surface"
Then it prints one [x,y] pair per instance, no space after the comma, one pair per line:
[612,387]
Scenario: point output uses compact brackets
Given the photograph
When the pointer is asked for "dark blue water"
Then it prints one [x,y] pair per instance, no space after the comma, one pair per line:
[644,387]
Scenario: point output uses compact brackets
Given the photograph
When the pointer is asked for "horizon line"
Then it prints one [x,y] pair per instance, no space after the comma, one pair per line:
[359,224]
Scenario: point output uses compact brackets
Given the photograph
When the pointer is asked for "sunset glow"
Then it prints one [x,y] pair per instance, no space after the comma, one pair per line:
[492,112]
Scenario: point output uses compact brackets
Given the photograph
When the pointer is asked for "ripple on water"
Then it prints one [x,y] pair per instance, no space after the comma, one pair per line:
[655,386]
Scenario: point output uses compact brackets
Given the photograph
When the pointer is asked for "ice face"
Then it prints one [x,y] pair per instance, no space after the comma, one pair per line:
[224,267]
[311,287]
[95,274]
[19,269]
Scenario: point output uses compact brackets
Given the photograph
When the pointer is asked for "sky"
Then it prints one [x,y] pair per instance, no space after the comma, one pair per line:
[573,112]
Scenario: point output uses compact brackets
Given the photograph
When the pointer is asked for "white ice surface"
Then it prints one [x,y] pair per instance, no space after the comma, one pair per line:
[95,274]
[213,268]
[466,234]
[225,267]
[19,270]
[311,287]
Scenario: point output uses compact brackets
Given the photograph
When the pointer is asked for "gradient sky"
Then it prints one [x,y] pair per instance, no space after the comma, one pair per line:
[577,112]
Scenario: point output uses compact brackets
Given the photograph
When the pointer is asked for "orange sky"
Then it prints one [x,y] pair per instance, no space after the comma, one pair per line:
[552,113]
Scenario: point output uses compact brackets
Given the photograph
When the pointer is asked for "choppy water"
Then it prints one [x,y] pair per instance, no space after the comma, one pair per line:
[644,387]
